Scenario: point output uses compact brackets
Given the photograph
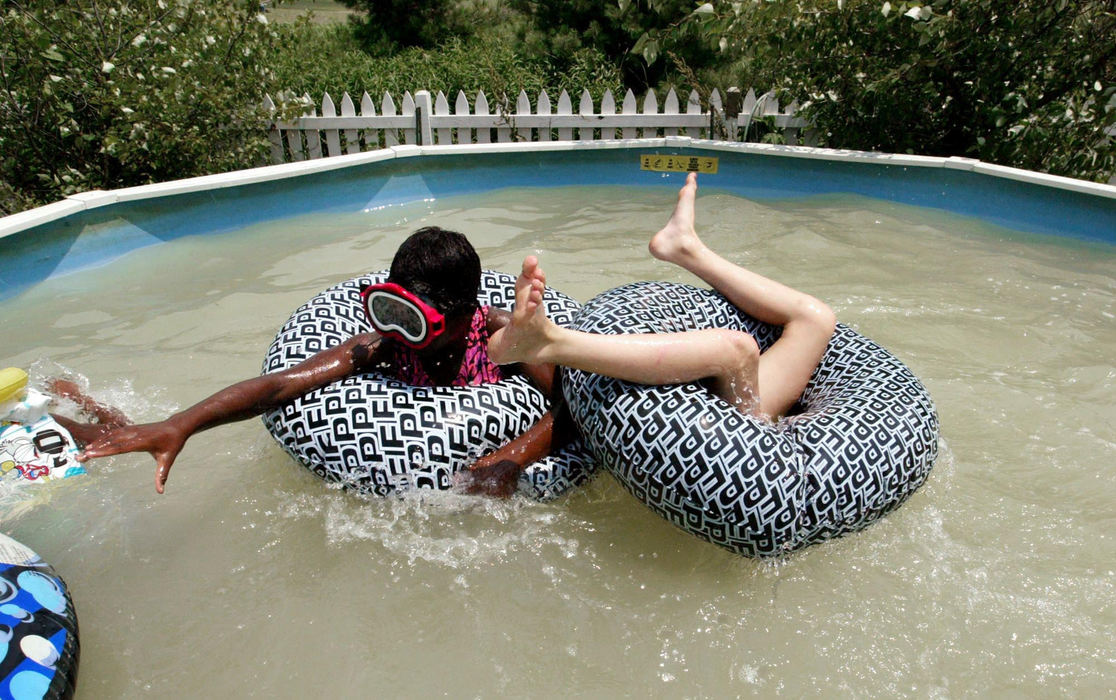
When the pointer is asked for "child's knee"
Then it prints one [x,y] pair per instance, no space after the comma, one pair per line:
[820,317]
[742,348]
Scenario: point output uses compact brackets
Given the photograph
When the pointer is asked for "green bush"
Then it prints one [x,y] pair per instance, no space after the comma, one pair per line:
[328,58]
[103,95]
[1026,83]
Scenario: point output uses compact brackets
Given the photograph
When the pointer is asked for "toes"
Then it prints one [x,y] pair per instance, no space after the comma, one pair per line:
[530,286]
[530,263]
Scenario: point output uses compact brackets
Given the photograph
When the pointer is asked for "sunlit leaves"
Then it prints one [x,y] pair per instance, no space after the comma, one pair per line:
[100,94]
[919,12]
[1027,83]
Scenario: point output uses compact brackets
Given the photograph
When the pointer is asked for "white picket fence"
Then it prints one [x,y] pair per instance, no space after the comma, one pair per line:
[425,120]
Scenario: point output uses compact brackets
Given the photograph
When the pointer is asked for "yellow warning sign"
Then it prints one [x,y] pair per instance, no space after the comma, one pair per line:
[678,164]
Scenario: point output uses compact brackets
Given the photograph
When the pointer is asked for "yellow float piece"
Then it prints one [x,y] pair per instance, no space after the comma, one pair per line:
[13,383]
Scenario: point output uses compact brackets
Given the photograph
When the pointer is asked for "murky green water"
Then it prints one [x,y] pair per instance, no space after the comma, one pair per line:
[250,577]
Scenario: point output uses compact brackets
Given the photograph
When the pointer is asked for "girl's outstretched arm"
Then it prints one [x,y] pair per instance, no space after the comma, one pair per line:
[165,439]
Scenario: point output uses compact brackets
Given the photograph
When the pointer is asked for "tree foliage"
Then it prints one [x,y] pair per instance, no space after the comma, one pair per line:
[328,58]
[386,26]
[1028,83]
[102,95]
[638,36]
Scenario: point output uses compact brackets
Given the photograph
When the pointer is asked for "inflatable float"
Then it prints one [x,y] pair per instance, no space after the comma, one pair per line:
[862,440]
[377,435]
[33,446]
[38,627]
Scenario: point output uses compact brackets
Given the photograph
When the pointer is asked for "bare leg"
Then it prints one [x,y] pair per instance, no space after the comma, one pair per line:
[786,366]
[730,357]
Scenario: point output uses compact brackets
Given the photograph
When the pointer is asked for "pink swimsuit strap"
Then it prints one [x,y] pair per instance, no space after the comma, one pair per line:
[476,367]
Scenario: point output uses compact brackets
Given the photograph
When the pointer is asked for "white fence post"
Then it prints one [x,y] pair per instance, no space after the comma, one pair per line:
[480,108]
[522,113]
[313,136]
[670,106]
[368,112]
[352,138]
[461,108]
[629,107]
[442,109]
[565,108]
[332,136]
[543,110]
[585,131]
[273,134]
[408,110]
[693,107]
[608,109]
[387,109]
[423,109]
[650,106]
[503,123]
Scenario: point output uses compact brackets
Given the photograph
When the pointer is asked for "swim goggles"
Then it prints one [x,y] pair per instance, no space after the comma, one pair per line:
[400,315]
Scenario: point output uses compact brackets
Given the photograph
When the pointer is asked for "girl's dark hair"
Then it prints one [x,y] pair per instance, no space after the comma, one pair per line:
[441,266]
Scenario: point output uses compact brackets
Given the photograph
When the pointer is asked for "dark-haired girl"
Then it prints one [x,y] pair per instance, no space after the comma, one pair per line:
[431,332]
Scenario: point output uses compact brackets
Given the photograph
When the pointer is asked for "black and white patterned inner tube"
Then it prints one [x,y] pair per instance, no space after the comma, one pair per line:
[39,646]
[864,439]
[378,435]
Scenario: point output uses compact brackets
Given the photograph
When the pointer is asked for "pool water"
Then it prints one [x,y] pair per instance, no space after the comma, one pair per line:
[251,577]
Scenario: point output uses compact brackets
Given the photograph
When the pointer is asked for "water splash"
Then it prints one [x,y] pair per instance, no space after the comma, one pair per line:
[440,527]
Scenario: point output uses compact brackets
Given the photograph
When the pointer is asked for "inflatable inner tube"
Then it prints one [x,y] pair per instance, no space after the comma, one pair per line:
[863,438]
[377,434]
[38,627]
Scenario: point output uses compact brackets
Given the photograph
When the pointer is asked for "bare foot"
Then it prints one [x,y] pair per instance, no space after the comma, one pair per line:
[529,329]
[678,241]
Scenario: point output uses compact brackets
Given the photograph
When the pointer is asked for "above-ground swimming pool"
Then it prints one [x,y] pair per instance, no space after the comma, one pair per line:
[253,577]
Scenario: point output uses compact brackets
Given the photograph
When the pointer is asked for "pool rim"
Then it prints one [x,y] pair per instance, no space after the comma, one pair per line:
[95,199]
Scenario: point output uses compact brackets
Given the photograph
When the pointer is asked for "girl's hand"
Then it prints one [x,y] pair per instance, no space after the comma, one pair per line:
[163,441]
[496,479]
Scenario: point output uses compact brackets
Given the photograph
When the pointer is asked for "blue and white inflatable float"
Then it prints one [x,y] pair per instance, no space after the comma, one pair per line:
[38,627]
[863,440]
[379,435]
